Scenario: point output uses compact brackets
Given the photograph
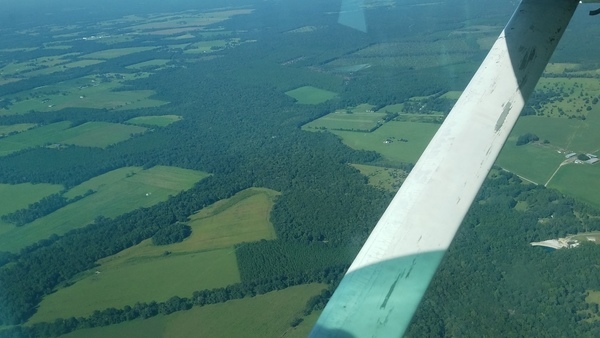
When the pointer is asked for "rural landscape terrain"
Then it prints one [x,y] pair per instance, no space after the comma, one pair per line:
[181,169]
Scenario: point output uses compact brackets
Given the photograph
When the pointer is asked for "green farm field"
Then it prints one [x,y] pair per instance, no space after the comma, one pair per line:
[242,218]
[98,134]
[117,192]
[63,67]
[533,162]
[140,279]
[537,162]
[34,64]
[32,138]
[341,120]
[148,64]
[576,95]
[560,68]
[310,95]
[19,196]
[91,134]
[86,92]
[580,181]
[392,108]
[172,24]
[159,121]
[15,128]
[388,179]
[417,134]
[204,260]
[414,54]
[206,46]
[267,315]
[116,52]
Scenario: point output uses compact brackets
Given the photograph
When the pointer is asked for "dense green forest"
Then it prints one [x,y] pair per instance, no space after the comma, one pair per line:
[240,126]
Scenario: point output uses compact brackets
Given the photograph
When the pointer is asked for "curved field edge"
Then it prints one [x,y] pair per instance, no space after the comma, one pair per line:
[116,192]
[267,315]
[147,272]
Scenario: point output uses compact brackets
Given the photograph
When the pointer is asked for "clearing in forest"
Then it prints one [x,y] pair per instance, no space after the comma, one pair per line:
[140,279]
[116,192]
[15,128]
[208,46]
[159,121]
[19,196]
[359,118]
[388,179]
[204,260]
[395,141]
[116,52]
[95,92]
[90,134]
[267,315]
[310,95]
[148,64]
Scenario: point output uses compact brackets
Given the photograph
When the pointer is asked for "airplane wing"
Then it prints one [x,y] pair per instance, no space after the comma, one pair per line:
[384,285]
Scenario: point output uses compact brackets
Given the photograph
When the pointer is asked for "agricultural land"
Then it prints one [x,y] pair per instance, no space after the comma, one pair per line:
[187,169]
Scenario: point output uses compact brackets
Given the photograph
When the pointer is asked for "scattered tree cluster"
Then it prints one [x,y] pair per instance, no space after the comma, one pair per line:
[527,138]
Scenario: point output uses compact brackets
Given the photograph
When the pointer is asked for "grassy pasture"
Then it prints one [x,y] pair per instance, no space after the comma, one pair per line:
[17,50]
[63,67]
[204,260]
[538,162]
[90,134]
[58,46]
[207,46]
[181,37]
[452,95]
[580,181]
[99,134]
[4,81]
[341,120]
[117,192]
[182,20]
[531,161]
[115,39]
[304,29]
[388,179]
[32,138]
[174,31]
[420,61]
[417,134]
[560,68]
[19,196]
[392,108]
[310,95]
[267,315]
[577,94]
[241,218]
[140,279]
[159,121]
[115,53]
[149,64]
[45,65]
[404,48]
[86,92]
[4,130]
[414,54]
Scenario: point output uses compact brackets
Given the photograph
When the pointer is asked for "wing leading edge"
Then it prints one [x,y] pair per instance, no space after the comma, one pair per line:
[384,285]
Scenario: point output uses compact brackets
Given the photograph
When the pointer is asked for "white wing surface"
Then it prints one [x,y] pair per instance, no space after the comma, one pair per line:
[384,285]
